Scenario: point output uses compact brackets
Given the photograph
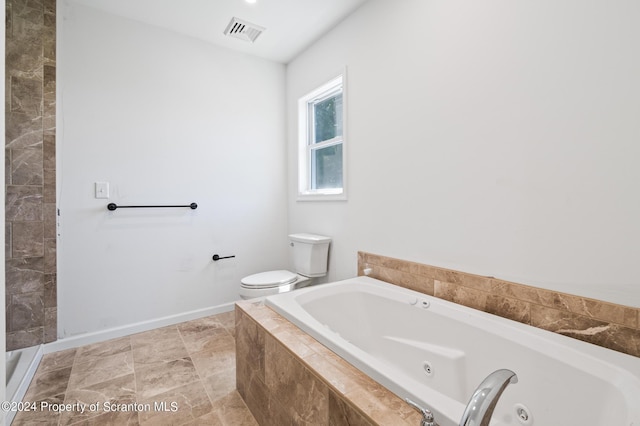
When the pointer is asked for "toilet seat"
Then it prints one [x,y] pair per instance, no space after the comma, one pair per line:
[269,279]
[271,282]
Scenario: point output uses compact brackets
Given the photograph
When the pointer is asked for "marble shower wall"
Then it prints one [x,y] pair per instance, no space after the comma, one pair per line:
[30,172]
[604,324]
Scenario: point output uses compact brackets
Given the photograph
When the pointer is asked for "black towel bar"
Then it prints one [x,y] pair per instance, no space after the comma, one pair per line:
[113,206]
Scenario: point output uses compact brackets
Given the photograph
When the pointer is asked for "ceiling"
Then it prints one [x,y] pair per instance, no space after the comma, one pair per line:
[291,25]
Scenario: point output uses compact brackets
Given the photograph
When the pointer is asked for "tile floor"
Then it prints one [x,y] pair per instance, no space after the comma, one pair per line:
[190,366]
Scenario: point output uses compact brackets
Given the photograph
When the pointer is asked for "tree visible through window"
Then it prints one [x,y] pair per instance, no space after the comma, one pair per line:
[327,160]
[322,132]
[328,118]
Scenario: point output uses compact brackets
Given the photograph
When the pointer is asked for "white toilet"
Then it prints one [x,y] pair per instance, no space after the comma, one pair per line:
[308,254]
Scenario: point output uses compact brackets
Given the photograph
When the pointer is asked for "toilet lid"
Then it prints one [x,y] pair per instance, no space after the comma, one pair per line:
[269,279]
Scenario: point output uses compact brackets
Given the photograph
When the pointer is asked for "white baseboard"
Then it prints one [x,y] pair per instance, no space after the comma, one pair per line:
[112,333]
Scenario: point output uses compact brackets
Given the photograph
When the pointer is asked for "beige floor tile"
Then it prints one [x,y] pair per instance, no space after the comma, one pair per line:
[93,398]
[39,416]
[208,339]
[233,411]
[220,385]
[159,378]
[199,325]
[115,417]
[48,383]
[101,369]
[227,319]
[211,419]
[159,353]
[177,406]
[103,349]
[219,357]
[191,364]
[209,367]
[57,360]
[155,337]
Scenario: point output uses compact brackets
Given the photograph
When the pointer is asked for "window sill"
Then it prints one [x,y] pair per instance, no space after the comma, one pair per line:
[321,196]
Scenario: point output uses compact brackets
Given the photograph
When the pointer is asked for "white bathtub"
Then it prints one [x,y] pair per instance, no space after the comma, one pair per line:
[437,353]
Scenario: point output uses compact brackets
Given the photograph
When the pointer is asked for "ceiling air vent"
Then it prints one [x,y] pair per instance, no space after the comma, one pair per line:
[243,30]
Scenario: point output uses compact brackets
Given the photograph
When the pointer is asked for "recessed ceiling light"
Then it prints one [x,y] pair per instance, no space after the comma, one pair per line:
[251,1]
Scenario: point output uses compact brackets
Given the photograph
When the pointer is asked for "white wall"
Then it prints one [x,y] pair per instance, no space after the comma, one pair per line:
[497,137]
[165,119]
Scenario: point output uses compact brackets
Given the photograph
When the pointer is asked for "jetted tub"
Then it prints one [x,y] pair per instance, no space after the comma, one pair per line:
[437,352]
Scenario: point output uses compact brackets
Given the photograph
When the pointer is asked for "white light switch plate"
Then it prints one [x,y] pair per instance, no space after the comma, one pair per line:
[102,189]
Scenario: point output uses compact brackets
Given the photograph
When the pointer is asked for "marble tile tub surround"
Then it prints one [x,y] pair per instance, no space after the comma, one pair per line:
[191,364]
[286,377]
[604,324]
[30,170]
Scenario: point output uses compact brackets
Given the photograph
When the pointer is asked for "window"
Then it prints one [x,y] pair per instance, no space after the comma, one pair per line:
[321,169]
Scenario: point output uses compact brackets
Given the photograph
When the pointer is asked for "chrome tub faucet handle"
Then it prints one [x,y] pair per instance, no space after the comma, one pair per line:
[427,416]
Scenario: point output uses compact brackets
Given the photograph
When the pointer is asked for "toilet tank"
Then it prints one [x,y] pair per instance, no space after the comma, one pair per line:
[309,254]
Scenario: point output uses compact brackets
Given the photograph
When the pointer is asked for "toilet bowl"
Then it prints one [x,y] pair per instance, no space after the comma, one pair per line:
[308,254]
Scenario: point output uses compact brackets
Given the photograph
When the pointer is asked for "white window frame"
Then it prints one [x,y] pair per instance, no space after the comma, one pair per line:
[305,147]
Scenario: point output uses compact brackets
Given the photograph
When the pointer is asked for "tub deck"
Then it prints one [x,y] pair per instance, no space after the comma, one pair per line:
[391,334]
[284,374]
